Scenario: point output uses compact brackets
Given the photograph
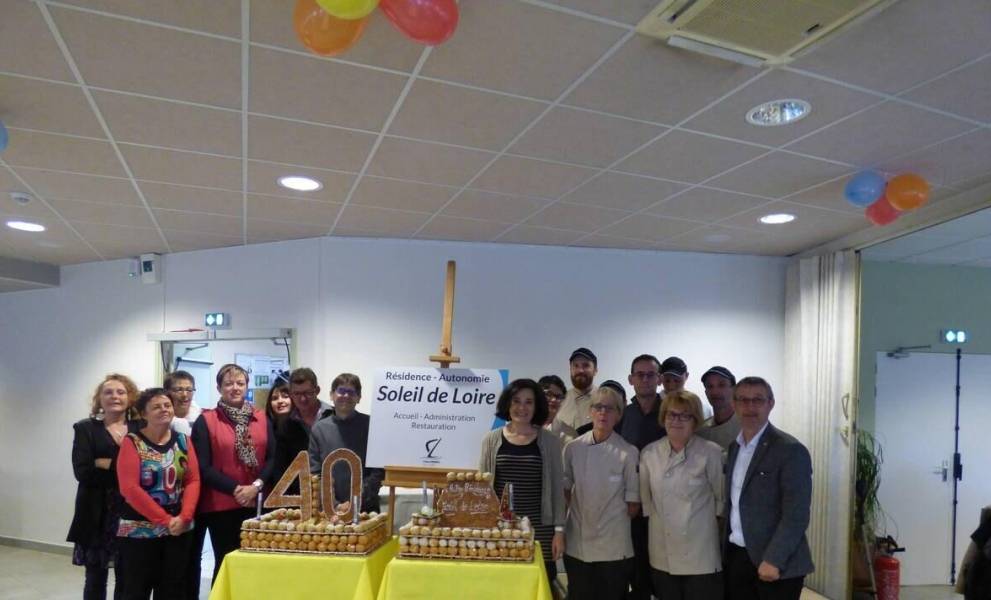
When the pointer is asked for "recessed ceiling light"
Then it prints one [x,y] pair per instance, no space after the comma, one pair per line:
[778,112]
[300,183]
[26,226]
[777,218]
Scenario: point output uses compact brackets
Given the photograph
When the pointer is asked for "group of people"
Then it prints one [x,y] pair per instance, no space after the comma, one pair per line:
[648,497]
[157,473]
[639,498]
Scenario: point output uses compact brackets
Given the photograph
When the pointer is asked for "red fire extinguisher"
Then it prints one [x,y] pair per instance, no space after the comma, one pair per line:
[887,569]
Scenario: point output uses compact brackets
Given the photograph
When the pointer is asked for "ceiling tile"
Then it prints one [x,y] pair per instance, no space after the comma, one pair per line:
[812,227]
[577,136]
[56,234]
[201,222]
[958,160]
[314,212]
[368,220]
[426,163]
[260,231]
[35,211]
[157,61]
[540,52]
[86,188]
[220,17]
[623,192]
[659,83]
[576,217]
[193,199]
[688,157]
[109,214]
[63,252]
[26,44]
[308,145]
[54,107]
[616,243]
[313,89]
[880,133]
[906,44]
[647,227]
[543,236]
[404,195]
[829,102]
[263,179]
[171,166]
[493,207]
[725,240]
[468,230]
[704,204]
[528,177]
[186,241]
[791,173]
[457,115]
[61,153]
[381,44]
[140,120]
[114,241]
[964,92]
[827,195]
[625,11]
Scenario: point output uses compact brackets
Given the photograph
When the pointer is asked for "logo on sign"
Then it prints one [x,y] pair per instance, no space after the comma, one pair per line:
[431,446]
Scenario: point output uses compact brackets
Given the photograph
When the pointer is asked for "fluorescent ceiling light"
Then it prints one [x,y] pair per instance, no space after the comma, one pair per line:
[777,218]
[712,50]
[300,183]
[26,226]
[778,112]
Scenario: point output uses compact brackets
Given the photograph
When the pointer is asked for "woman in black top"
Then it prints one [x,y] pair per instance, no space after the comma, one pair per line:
[291,436]
[94,452]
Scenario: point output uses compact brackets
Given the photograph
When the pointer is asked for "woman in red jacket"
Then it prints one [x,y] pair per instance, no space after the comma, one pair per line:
[160,482]
[235,444]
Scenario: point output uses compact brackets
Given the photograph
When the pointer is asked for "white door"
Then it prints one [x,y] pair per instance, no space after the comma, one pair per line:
[914,424]
[975,427]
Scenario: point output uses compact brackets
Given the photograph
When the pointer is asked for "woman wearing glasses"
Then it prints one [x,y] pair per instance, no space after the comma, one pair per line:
[681,484]
[603,492]
[554,391]
[346,428]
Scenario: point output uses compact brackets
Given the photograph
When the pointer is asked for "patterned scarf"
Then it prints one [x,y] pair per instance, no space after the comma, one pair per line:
[242,437]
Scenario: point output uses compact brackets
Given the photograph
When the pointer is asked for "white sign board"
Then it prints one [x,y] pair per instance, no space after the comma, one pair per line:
[430,417]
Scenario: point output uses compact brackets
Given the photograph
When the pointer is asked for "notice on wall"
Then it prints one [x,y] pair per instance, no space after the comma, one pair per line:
[430,417]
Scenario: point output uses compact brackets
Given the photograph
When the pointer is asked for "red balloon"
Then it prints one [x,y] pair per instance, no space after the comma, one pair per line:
[881,212]
[323,33]
[429,22]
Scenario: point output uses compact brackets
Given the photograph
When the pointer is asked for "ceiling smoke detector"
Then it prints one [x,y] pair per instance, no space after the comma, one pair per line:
[21,198]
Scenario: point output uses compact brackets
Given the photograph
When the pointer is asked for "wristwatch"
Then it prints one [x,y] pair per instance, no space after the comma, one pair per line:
[257,483]
[558,529]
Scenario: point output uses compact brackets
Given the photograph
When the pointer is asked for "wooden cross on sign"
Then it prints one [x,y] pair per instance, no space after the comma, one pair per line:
[446,355]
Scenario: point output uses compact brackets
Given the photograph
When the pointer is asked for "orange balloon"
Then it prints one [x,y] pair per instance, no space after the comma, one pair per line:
[907,192]
[323,33]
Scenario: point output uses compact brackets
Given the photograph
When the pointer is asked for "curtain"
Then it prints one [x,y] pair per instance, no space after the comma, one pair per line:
[821,305]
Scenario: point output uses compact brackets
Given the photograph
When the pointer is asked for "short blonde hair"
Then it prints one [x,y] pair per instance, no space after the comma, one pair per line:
[684,400]
[609,395]
[132,395]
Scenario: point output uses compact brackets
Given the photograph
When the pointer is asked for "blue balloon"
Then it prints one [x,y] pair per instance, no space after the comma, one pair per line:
[3,137]
[864,188]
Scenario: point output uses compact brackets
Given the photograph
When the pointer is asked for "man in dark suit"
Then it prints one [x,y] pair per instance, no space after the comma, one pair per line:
[768,494]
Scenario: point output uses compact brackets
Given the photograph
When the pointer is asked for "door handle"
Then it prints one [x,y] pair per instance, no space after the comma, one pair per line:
[943,470]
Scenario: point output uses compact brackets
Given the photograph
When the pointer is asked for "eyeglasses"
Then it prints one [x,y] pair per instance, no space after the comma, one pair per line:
[645,375]
[182,390]
[345,391]
[551,395]
[679,416]
[304,394]
[606,408]
[755,401]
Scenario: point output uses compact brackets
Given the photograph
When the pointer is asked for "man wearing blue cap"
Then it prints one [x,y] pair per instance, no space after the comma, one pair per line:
[574,408]
[723,426]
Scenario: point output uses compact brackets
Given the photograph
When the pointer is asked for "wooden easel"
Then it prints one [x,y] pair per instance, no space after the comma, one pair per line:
[413,477]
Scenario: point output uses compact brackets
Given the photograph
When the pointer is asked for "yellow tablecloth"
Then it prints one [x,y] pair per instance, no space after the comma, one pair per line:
[416,579]
[253,575]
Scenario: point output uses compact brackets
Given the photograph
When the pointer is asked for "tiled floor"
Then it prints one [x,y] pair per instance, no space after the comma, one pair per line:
[929,592]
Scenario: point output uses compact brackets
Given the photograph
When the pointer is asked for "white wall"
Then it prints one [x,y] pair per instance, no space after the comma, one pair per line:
[357,304]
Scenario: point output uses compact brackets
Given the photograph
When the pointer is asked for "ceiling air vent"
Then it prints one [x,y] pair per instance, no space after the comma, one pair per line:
[754,32]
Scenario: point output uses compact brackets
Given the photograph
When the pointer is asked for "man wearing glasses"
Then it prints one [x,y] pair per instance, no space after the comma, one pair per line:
[769,485]
[304,390]
[181,387]
[640,426]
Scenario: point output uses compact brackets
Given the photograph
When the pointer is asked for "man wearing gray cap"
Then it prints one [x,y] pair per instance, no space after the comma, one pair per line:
[723,426]
[574,408]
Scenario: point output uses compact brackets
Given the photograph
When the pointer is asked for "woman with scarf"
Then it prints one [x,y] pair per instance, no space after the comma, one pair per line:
[235,445]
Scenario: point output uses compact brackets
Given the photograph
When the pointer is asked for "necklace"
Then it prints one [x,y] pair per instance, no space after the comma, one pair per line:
[117,431]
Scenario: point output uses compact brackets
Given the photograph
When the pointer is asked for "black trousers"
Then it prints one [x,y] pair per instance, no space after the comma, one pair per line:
[156,565]
[95,583]
[640,579]
[742,582]
[687,587]
[606,580]
[225,536]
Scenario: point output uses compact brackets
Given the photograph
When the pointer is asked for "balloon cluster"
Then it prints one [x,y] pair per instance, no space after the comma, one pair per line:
[884,201]
[330,27]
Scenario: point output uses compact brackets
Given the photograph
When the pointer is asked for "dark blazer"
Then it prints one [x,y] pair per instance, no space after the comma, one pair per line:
[90,442]
[775,502]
